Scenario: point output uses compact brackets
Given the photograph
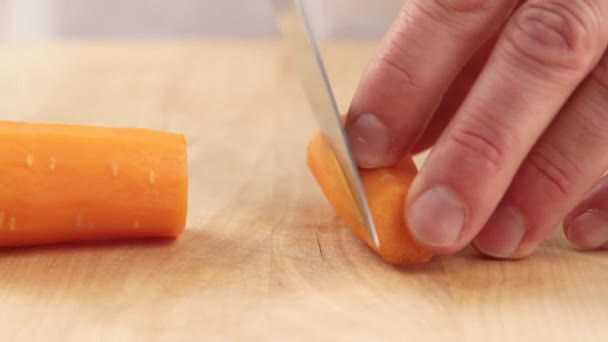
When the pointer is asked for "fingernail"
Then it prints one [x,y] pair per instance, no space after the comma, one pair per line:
[502,234]
[589,230]
[436,217]
[369,139]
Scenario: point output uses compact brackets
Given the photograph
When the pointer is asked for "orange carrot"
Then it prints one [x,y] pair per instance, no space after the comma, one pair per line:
[65,183]
[385,188]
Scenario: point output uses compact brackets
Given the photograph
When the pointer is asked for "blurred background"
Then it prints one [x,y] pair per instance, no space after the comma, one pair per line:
[184,19]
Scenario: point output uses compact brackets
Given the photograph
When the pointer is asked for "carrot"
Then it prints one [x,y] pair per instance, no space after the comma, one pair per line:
[66,183]
[386,190]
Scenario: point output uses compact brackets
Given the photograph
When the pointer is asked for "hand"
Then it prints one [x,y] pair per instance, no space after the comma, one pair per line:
[513,98]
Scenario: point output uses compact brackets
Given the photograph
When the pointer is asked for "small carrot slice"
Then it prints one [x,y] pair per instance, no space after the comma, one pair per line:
[386,190]
[66,183]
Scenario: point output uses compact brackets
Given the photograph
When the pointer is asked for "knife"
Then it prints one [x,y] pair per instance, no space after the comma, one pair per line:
[300,43]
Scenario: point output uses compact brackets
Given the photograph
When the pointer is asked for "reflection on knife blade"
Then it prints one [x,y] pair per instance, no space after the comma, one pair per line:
[300,43]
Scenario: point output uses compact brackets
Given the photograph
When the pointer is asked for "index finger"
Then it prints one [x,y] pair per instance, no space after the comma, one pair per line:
[423,52]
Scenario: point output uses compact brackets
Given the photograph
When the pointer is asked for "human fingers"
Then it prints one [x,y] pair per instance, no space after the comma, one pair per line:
[423,52]
[565,163]
[545,51]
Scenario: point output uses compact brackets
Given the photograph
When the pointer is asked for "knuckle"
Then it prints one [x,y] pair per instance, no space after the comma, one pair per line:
[600,74]
[481,143]
[555,172]
[557,33]
[466,7]
[591,116]
[390,64]
[429,12]
[593,128]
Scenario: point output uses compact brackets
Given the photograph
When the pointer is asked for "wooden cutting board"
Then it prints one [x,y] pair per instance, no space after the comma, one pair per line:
[263,256]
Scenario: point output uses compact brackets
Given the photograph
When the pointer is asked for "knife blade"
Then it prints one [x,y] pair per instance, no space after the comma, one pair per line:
[301,44]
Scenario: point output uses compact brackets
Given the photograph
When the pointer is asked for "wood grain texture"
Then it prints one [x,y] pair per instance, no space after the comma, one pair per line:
[263,256]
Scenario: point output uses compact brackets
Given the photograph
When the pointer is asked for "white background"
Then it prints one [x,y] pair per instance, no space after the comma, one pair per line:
[47,19]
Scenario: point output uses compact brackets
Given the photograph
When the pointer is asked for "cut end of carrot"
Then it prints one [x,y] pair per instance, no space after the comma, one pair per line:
[66,183]
[386,190]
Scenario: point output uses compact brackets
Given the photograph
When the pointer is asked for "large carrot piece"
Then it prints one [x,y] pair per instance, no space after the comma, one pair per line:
[385,188]
[64,183]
